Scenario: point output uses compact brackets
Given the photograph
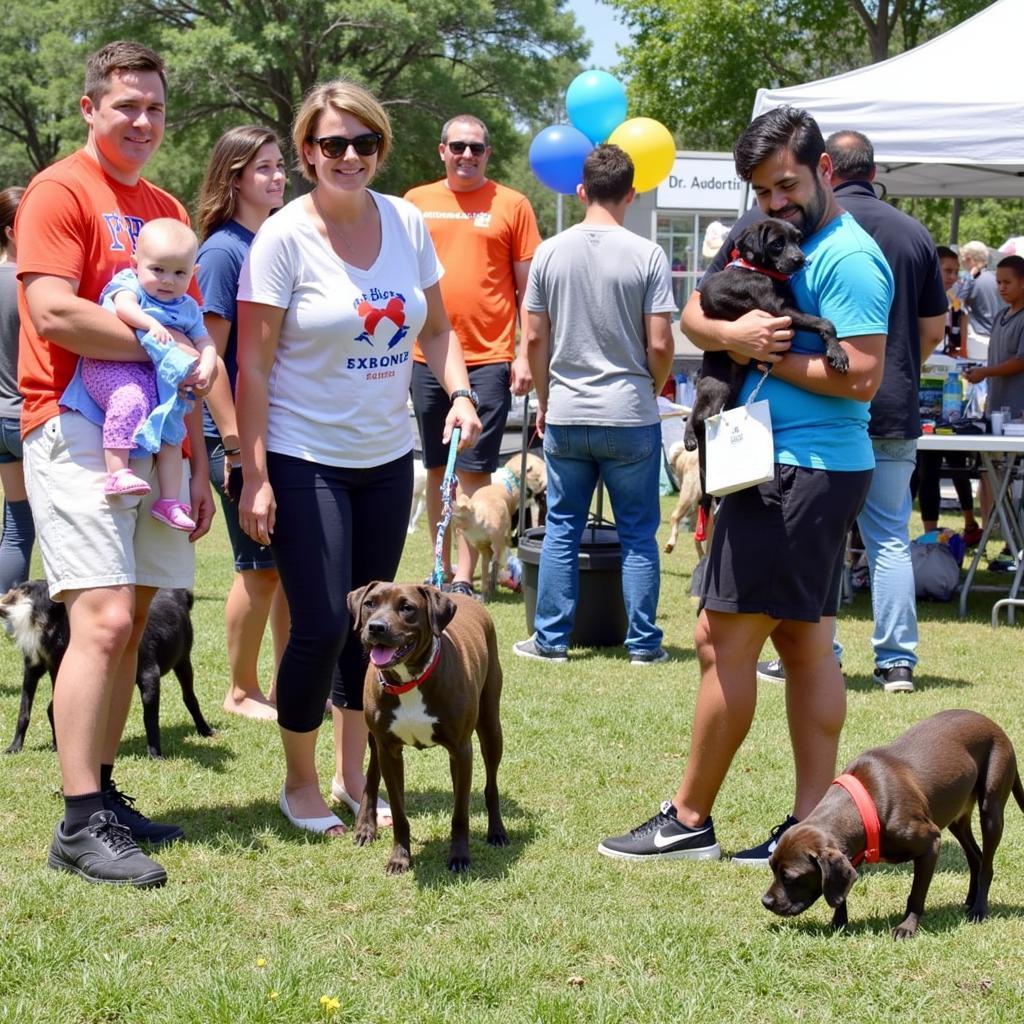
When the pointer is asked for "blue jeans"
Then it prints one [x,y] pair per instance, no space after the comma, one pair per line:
[883,523]
[628,459]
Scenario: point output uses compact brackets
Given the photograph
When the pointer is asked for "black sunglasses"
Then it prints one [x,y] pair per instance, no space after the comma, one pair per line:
[458,148]
[334,146]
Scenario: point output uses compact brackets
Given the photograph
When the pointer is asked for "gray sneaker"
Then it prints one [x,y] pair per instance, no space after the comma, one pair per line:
[104,852]
[771,671]
[655,657]
[531,649]
[895,678]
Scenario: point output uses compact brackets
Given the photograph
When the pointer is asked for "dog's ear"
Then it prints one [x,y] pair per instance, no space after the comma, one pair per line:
[837,875]
[355,604]
[440,609]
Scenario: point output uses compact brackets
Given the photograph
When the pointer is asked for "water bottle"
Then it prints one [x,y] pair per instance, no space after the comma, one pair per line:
[952,397]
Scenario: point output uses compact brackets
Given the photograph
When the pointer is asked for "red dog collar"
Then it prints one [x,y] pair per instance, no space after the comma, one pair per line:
[872,853]
[396,688]
[738,261]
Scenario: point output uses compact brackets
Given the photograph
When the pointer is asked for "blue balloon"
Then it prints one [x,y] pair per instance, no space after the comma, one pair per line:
[556,156]
[596,102]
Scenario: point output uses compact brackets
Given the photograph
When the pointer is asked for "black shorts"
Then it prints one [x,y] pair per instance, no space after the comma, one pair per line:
[777,549]
[430,402]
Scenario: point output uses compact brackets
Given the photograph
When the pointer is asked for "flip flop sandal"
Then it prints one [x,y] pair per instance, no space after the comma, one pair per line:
[124,481]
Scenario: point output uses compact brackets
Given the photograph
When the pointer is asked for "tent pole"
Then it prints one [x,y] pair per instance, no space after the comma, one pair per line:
[954,222]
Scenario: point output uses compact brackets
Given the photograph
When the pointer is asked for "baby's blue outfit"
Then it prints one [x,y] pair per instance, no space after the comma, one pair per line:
[166,423]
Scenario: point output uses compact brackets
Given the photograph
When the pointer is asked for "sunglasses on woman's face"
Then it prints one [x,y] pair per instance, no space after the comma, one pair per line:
[334,146]
[476,148]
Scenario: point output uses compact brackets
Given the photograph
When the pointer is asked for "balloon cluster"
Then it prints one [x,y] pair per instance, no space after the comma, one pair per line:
[596,103]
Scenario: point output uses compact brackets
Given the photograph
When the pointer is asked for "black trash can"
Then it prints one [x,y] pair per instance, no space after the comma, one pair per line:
[600,612]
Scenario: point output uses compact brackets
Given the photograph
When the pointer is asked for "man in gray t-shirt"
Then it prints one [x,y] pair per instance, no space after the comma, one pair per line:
[599,342]
[1005,369]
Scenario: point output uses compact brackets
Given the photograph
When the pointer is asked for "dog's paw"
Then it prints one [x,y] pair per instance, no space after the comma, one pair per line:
[458,864]
[363,835]
[838,359]
[497,836]
[399,862]
[690,443]
[976,914]
[906,929]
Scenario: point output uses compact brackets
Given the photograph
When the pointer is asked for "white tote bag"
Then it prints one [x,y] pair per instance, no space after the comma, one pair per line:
[739,448]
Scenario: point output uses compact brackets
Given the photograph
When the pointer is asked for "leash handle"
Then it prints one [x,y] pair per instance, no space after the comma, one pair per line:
[447,501]
[757,387]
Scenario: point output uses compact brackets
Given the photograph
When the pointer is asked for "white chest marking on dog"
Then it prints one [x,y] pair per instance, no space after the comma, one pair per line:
[412,725]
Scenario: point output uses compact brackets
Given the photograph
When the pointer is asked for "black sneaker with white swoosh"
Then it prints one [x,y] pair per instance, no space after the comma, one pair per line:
[664,837]
[757,856]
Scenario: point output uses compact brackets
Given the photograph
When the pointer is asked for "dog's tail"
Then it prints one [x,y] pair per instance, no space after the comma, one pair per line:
[1018,791]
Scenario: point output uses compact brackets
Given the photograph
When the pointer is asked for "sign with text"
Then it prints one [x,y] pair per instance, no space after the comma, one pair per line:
[701,182]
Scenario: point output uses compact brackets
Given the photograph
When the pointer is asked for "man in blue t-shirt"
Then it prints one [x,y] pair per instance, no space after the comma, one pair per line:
[776,552]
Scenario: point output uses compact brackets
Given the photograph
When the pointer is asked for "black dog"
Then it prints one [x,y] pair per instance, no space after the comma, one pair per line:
[766,254]
[39,627]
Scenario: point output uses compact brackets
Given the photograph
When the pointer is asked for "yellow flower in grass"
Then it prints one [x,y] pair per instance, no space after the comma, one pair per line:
[261,961]
[273,995]
[330,1004]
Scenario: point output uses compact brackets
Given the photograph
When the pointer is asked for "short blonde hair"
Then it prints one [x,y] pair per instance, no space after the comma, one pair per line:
[347,98]
[167,229]
[977,252]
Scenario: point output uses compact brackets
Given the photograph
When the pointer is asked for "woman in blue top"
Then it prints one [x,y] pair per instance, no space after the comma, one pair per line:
[244,184]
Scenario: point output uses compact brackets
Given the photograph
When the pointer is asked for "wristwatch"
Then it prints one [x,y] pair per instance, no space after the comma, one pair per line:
[466,393]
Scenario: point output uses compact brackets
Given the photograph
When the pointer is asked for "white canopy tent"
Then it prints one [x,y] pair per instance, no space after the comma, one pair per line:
[946,118]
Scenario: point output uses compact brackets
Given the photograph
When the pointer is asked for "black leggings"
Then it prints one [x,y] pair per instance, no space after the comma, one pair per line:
[336,530]
[925,482]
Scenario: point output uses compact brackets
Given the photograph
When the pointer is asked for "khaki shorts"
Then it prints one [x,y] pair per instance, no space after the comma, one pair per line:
[87,539]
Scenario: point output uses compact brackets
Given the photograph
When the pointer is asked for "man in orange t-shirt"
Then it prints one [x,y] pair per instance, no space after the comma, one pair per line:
[104,557]
[485,235]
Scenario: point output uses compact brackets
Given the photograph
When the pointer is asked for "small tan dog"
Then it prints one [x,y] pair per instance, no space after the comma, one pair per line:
[686,466]
[485,518]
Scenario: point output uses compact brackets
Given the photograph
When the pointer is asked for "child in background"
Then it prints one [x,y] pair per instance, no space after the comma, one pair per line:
[955,343]
[139,400]
[1005,369]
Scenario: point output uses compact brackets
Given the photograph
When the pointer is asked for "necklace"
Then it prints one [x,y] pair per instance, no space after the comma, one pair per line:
[335,229]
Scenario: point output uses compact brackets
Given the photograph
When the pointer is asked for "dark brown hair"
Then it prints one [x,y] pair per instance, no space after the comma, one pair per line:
[9,199]
[122,55]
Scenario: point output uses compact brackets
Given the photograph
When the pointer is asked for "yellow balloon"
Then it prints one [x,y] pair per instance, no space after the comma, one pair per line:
[651,148]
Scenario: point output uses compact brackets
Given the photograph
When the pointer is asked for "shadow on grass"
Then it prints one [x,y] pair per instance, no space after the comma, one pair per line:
[231,827]
[181,740]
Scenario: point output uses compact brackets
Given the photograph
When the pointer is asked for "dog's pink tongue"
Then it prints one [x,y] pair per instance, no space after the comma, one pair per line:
[381,656]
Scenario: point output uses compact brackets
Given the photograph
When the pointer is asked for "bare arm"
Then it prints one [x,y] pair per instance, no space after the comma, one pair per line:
[259,327]
[63,317]
[1007,368]
[219,400]
[200,494]
[521,380]
[129,312]
[757,335]
[661,347]
[813,373]
[443,353]
[931,330]
[538,353]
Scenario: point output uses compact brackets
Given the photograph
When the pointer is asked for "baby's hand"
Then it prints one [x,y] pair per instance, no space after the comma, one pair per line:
[160,333]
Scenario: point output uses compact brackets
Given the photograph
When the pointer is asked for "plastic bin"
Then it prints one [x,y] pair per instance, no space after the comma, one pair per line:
[600,612]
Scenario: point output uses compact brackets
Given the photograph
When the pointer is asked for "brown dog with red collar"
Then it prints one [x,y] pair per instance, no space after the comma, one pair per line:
[928,779]
[434,677]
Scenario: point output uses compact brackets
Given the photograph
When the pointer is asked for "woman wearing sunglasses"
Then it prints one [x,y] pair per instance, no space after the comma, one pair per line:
[336,288]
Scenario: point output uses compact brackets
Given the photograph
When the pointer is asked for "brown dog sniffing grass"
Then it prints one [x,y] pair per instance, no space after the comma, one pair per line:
[434,678]
[928,779]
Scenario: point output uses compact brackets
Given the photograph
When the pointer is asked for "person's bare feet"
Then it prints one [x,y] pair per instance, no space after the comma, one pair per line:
[250,705]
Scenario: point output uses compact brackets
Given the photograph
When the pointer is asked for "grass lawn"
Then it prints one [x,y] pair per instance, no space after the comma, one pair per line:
[258,922]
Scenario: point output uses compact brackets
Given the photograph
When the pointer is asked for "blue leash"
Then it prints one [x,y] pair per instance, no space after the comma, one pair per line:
[447,501]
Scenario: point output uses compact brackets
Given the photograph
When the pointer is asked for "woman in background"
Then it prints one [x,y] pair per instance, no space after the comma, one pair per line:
[244,184]
[19,530]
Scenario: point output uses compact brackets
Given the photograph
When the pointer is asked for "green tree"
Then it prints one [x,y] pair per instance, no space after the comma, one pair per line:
[697,64]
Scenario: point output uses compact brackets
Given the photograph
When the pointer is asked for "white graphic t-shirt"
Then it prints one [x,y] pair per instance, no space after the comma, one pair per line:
[340,379]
